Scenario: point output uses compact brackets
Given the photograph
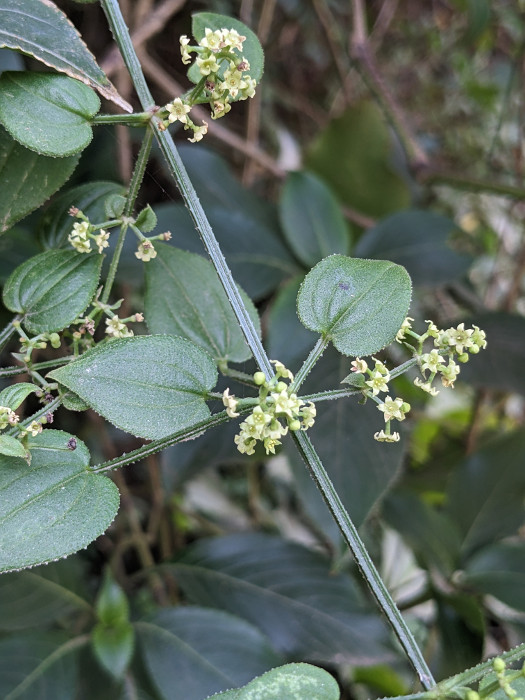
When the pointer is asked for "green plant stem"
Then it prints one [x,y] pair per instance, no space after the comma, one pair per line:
[317,470]
[331,395]
[472,675]
[362,558]
[133,190]
[137,119]
[48,408]
[309,363]
[468,184]
[7,332]
[14,370]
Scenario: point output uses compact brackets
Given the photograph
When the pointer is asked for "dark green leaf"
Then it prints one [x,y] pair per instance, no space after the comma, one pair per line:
[42,666]
[151,386]
[56,224]
[361,469]
[54,507]
[290,682]
[192,652]
[112,605]
[358,304]
[485,495]
[184,297]
[73,402]
[251,48]
[64,108]
[114,206]
[353,156]
[28,179]
[146,220]
[39,29]
[499,570]
[478,12]
[418,241]
[461,634]
[505,339]
[52,289]
[42,595]
[113,647]
[11,447]
[518,685]
[382,679]
[311,217]
[16,394]
[285,590]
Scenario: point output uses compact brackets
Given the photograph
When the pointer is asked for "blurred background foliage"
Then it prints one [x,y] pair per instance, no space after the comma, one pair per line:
[381,129]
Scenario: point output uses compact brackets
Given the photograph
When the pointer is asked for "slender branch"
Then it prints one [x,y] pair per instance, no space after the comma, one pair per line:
[363,560]
[137,119]
[470,184]
[7,332]
[478,672]
[48,408]
[14,371]
[309,363]
[134,186]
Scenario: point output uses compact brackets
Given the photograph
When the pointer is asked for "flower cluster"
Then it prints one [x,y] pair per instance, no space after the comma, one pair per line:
[84,232]
[278,410]
[224,74]
[7,417]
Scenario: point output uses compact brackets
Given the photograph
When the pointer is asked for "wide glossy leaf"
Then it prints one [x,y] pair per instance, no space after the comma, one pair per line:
[41,595]
[257,258]
[354,157]
[499,570]
[64,107]
[184,297]
[251,48]
[283,324]
[150,386]
[361,469]
[28,179]
[312,220]
[289,682]
[39,29]
[54,507]
[287,591]
[505,339]
[418,241]
[358,304]
[15,394]
[485,495]
[56,224]
[193,652]
[52,289]
[39,666]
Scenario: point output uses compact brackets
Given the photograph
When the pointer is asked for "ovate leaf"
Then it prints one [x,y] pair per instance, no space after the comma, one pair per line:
[39,29]
[11,447]
[64,108]
[192,652]
[52,289]
[312,220]
[15,394]
[54,507]
[151,386]
[251,48]
[184,297]
[113,647]
[28,178]
[290,682]
[499,570]
[358,304]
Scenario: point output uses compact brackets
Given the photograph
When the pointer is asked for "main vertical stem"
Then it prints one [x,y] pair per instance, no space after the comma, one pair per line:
[383,598]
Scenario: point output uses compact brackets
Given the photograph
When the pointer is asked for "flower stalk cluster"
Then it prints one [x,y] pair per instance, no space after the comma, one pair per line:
[224,78]
[277,411]
[449,345]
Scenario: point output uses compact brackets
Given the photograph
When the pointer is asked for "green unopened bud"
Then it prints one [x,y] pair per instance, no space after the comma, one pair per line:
[281,386]
[54,339]
[259,378]
[474,350]
[294,425]
[463,357]
[498,665]
[472,695]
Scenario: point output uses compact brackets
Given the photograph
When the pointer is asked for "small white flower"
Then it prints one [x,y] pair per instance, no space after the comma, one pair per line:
[426,386]
[231,403]
[394,408]
[199,132]
[102,240]
[186,56]
[146,251]
[378,382]
[177,111]
[116,328]
[385,437]
[212,40]
[232,39]
[359,366]
[207,65]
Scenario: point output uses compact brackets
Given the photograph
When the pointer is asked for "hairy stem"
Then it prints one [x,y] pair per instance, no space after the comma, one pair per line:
[309,363]
[7,332]
[14,371]
[137,119]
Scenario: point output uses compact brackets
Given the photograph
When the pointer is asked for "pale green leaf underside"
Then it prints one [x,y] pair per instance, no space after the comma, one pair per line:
[52,289]
[39,29]
[54,507]
[28,179]
[46,112]
[150,386]
[358,304]
[184,297]
[15,394]
[290,682]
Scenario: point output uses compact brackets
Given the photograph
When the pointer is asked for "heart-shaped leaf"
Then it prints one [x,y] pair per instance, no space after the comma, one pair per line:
[52,289]
[151,386]
[39,29]
[184,297]
[357,304]
[28,179]
[64,107]
[53,507]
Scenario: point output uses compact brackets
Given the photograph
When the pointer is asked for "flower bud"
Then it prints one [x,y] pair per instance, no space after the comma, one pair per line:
[259,378]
